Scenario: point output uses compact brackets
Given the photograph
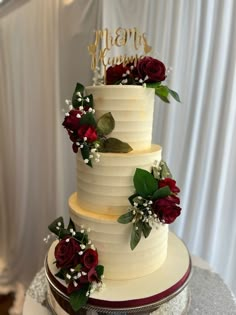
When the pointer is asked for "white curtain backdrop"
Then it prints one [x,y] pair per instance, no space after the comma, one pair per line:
[29,131]
[43,53]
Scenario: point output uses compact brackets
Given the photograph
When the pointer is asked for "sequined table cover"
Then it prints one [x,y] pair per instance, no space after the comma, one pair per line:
[209,294]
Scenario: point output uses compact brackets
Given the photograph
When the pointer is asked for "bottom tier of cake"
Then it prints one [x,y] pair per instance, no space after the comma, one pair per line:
[162,291]
[112,241]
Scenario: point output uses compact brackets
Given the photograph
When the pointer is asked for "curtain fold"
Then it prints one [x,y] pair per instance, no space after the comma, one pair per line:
[39,66]
[29,106]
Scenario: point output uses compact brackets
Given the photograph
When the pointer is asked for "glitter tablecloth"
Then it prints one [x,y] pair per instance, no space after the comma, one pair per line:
[209,294]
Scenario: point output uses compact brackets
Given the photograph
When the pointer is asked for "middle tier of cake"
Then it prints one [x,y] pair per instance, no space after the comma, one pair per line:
[106,187]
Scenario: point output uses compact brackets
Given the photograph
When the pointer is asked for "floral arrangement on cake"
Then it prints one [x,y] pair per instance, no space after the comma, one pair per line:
[77,261]
[88,134]
[146,71]
[155,201]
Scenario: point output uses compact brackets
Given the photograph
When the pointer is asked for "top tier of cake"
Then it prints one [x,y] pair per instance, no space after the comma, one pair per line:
[132,108]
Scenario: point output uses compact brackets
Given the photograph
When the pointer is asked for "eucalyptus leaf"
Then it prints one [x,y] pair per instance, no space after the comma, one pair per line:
[105,124]
[78,89]
[126,218]
[58,223]
[146,228]
[78,298]
[175,95]
[144,182]
[100,270]
[161,193]
[115,146]
[136,234]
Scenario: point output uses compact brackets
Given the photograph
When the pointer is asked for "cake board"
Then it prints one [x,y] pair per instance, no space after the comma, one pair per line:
[136,296]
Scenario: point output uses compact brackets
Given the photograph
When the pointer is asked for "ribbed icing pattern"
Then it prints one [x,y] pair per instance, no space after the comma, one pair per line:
[112,241]
[106,186]
[132,108]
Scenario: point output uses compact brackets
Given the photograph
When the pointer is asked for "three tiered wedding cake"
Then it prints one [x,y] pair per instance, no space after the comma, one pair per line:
[125,199]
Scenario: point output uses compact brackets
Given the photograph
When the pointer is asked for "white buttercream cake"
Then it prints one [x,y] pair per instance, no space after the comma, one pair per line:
[103,190]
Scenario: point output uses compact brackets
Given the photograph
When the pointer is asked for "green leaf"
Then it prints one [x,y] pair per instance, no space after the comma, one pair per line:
[79,88]
[126,218]
[161,193]
[61,274]
[63,233]
[85,154]
[153,85]
[163,98]
[71,225]
[105,124]
[132,197]
[135,234]
[146,228]
[162,90]
[175,95]
[78,298]
[115,146]
[53,227]
[88,119]
[100,270]
[144,183]
[78,267]
[90,103]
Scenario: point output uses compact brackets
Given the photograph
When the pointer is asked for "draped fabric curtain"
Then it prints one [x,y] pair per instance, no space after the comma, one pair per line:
[43,52]
[28,136]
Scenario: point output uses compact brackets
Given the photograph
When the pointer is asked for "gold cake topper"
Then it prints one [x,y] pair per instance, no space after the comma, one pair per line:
[105,40]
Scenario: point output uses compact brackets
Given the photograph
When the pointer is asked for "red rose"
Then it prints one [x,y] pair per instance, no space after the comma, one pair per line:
[151,70]
[166,208]
[89,132]
[66,253]
[71,122]
[169,214]
[171,183]
[168,201]
[115,73]
[90,258]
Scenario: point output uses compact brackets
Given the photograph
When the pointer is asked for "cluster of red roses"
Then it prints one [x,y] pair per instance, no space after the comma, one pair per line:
[69,254]
[78,132]
[147,70]
[166,208]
